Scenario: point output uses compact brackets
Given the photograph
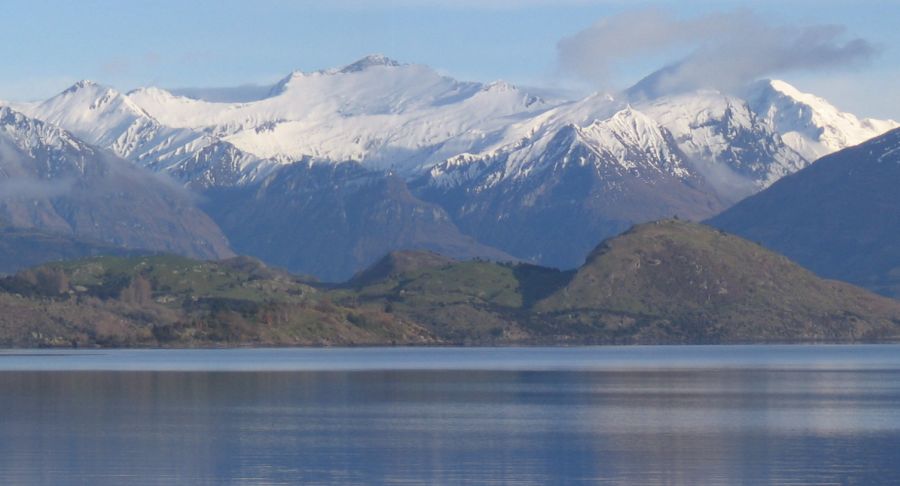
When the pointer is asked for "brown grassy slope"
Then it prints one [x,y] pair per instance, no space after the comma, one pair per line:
[680,281]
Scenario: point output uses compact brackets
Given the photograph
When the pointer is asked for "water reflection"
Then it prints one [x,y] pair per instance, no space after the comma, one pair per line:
[486,427]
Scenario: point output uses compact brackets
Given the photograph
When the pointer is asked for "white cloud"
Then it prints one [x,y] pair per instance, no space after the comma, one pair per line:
[723,50]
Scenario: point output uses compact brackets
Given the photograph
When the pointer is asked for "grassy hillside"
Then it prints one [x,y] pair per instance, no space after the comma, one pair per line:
[684,282]
[665,282]
[474,302]
[175,301]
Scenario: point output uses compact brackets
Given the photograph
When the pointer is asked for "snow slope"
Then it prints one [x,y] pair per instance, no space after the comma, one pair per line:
[104,117]
[376,111]
[809,124]
[728,142]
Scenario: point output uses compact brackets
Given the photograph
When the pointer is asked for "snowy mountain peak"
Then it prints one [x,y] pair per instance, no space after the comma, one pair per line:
[84,83]
[809,124]
[499,87]
[281,86]
[372,60]
[86,95]
[104,117]
[636,124]
[789,90]
[364,66]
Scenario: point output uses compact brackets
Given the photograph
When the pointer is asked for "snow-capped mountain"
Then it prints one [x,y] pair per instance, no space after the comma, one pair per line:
[26,140]
[408,118]
[104,117]
[513,170]
[628,142]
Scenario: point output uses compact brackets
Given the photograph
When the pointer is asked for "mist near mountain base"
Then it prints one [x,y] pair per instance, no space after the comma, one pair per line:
[31,188]
[15,185]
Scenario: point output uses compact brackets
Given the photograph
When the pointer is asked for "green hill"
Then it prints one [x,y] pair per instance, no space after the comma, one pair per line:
[175,301]
[664,282]
[682,282]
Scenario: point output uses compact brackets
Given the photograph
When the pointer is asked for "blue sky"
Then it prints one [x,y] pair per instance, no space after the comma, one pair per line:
[47,45]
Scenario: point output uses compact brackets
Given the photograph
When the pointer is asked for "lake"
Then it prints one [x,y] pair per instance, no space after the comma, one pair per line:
[584,415]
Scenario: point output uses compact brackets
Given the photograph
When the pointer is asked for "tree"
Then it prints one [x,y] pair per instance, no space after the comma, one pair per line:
[52,281]
[139,291]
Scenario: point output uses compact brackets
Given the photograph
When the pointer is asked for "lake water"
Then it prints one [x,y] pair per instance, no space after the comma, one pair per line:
[590,415]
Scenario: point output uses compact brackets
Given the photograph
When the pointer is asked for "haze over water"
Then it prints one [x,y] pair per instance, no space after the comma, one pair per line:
[609,415]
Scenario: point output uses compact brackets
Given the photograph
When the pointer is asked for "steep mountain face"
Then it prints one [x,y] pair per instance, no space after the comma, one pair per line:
[839,217]
[217,165]
[52,181]
[550,198]
[332,220]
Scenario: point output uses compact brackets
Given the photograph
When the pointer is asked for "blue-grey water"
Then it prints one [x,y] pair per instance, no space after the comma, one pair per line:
[592,415]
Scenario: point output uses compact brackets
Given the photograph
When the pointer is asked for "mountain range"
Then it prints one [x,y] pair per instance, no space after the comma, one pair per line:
[325,172]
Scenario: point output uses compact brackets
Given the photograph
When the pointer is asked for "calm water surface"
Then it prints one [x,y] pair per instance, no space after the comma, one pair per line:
[593,415]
